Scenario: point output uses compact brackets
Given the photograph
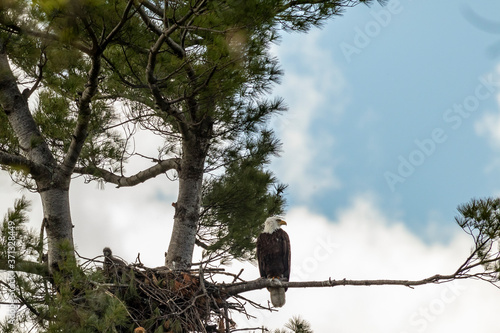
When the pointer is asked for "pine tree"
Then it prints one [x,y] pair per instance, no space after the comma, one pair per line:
[195,73]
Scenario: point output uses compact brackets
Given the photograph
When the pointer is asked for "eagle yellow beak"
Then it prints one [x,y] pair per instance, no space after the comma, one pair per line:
[281,222]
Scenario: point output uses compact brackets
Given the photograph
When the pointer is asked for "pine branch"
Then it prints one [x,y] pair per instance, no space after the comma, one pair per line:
[179,51]
[29,267]
[84,108]
[151,7]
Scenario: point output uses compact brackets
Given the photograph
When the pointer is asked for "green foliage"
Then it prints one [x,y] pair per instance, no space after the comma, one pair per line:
[236,203]
[18,246]
[214,65]
[296,325]
[481,215]
[79,307]
[76,305]
[15,238]
[55,54]
[53,109]
[480,218]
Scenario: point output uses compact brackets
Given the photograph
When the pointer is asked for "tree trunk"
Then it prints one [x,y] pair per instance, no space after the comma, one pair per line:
[187,208]
[52,183]
[59,228]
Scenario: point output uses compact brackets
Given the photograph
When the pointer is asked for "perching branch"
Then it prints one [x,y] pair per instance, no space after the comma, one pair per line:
[260,283]
[462,273]
[480,219]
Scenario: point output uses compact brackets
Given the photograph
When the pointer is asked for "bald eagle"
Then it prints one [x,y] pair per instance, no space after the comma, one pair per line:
[273,255]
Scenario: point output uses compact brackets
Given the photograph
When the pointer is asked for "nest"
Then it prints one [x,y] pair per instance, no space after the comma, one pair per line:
[178,301]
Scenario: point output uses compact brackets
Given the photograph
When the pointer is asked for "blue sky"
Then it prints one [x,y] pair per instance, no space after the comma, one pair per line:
[400,69]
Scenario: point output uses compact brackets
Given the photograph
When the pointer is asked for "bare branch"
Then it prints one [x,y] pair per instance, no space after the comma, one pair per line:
[122,78]
[237,288]
[140,177]
[149,24]
[201,244]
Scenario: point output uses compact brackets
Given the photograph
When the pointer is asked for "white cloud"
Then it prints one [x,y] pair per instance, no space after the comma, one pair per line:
[314,89]
[489,124]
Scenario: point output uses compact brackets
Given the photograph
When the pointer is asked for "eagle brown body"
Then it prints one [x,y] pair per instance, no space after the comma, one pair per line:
[273,253]
[274,257]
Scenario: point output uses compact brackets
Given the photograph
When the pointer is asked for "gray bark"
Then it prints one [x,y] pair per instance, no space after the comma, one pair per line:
[123,181]
[36,158]
[16,108]
[187,207]
[241,287]
[59,228]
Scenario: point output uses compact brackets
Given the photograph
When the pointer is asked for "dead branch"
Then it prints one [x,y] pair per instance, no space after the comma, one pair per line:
[237,288]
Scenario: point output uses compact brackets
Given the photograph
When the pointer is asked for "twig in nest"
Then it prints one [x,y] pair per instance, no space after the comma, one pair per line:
[238,276]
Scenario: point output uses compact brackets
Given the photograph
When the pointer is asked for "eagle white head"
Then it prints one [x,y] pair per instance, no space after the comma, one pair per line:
[273,223]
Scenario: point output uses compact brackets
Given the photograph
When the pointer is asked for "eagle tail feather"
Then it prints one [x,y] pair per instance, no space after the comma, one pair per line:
[277,297]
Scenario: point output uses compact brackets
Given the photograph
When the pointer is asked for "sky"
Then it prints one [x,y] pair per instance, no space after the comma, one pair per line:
[393,121]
